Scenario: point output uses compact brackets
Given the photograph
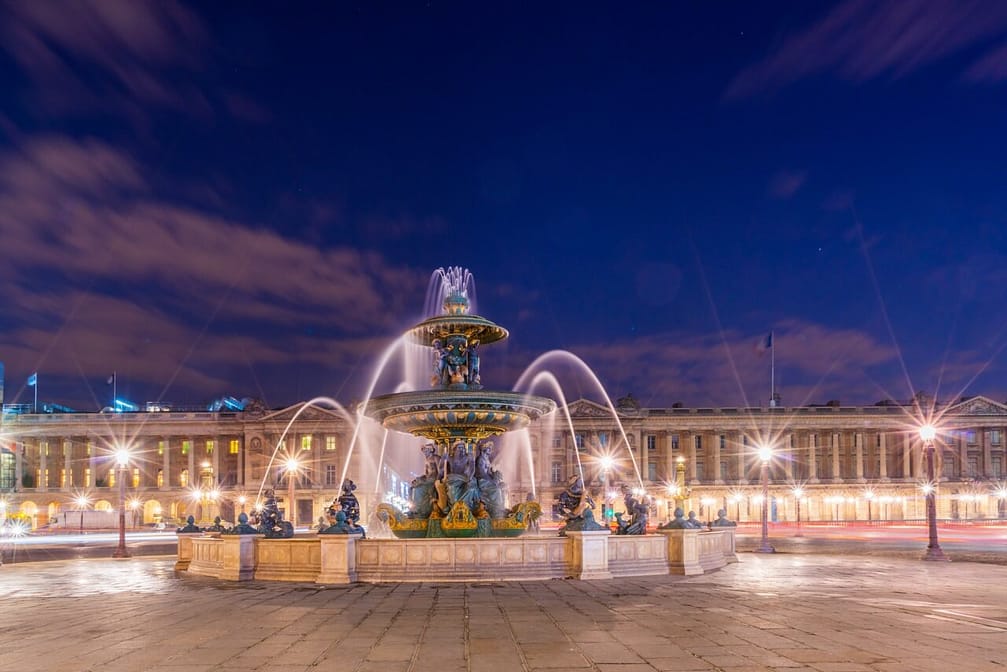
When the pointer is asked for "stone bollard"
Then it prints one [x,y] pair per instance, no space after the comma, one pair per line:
[587,555]
[683,551]
[238,558]
[185,550]
[338,558]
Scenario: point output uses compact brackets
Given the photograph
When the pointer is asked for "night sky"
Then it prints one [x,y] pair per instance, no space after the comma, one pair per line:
[248,199]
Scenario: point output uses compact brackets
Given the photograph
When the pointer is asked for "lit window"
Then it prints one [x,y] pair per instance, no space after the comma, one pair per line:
[234,446]
[210,445]
[186,446]
[45,447]
[62,478]
[136,477]
[111,478]
[306,442]
[160,447]
[88,447]
[160,478]
[330,443]
[183,478]
[87,477]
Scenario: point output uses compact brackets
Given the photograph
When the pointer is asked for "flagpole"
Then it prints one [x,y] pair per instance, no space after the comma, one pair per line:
[772,369]
[114,382]
[35,410]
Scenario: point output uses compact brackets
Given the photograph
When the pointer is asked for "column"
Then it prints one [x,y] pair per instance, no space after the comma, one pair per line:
[216,461]
[742,447]
[18,464]
[984,443]
[669,458]
[718,478]
[644,456]
[193,475]
[882,457]
[907,471]
[691,447]
[166,463]
[788,462]
[858,440]
[837,445]
[92,461]
[813,458]
[43,464]
[67,462]
[963,454]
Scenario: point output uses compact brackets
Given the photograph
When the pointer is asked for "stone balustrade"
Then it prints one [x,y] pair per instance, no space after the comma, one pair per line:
[340,559]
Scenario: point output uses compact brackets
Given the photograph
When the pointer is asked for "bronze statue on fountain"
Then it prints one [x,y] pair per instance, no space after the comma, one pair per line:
[578,508]
[459,493]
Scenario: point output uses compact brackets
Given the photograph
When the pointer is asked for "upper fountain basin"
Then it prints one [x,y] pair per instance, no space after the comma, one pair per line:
[473,327]
[442,415]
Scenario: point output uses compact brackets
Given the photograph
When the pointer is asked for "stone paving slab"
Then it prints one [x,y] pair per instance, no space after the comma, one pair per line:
[781,612]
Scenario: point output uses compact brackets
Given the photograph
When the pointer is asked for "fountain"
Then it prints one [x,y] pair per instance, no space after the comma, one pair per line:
[458,525]
[459,494]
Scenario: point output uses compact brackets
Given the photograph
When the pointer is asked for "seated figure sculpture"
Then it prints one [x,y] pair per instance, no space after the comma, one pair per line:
[271,521]
[678,522]
[722,520]
[637,511]
[577,507]
[695,523]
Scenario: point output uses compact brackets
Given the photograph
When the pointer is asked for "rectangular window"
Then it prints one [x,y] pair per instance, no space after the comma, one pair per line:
[973,466]
[557,472]
[697,441]
[87,477]
[62,478]
[136,477]
[603,439]
[970,437]
[160,478]
[651,442]
[995,437]
[674,442]
[160,447]
[111,477]
[579,440]
[88,447]
[183,478]
[557,441]
[998,466]
[45,447]
[330,474]
[234,446]
[330,443]
[700,468]
[38,478]
[210,445]
[306,442]
[723,442]
[186,445]
[651,471]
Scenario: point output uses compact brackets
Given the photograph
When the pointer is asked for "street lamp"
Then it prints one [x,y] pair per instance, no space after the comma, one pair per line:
[292,465]
[606,462]
[798,495]
[122,461]
[82,502]
[681,491]
[241,501]
[765,454]
[934,552]
[134,507]
[869,496]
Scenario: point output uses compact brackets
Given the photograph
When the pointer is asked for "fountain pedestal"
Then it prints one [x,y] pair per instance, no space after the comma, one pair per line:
[589,555]
[185,550]
[338,562]
[237,556]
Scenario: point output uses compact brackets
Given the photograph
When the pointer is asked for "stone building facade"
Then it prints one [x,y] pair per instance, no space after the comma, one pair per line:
[847,463]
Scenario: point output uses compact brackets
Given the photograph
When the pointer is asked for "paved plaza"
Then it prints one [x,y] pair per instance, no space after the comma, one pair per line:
[780,612]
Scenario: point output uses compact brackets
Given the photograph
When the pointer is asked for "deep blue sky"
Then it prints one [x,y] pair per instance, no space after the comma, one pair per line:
[231,198]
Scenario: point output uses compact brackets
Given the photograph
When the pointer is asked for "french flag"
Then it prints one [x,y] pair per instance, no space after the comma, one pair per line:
[765,343]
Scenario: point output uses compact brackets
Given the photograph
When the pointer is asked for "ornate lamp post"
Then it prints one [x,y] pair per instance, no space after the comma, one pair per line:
[798,496]
[122,462]
[292,465]
[765,454]
[934,552]
[241,501]
[605,462]
[82,501]
[681,492]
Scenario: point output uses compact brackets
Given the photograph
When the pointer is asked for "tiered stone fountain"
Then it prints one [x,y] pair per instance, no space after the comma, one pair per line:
[460,494]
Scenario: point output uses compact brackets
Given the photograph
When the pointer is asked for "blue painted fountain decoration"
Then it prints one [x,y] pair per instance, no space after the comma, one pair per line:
[459,494]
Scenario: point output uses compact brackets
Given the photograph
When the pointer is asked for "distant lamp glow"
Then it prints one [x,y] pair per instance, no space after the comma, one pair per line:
[765,453]
[122,457]
[928,433]
[606,462]
[291,464]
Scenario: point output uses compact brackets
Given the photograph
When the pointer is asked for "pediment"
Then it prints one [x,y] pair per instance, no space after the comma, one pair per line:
[977,406]
[313,413]
[588,409]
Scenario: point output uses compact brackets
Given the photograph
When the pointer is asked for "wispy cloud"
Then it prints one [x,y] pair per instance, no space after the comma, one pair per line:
[786,183]
[98,271]
[860,40]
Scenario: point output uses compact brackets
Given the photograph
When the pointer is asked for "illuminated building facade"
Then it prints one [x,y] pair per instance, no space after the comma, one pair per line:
[860,463]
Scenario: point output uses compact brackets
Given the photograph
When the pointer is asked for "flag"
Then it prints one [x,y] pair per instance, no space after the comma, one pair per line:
[33,379]
[764,344]
[111,379]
